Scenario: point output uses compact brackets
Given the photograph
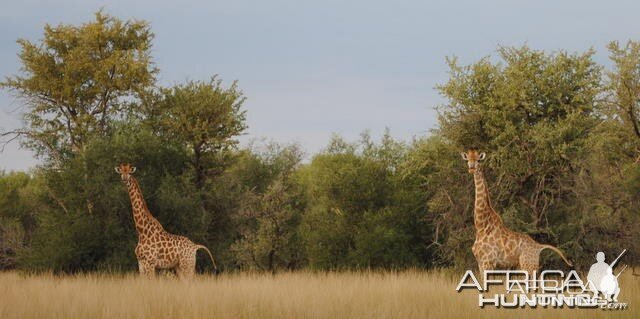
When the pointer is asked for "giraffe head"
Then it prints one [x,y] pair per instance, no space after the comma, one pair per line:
[125,171]
[473,158]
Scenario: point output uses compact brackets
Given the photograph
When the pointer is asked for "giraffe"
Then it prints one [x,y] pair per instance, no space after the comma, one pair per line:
[157,248]
[496,246]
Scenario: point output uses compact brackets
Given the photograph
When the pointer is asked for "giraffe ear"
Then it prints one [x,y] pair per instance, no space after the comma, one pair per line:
[464,156]
[133,170]
[482,156]
[117,169]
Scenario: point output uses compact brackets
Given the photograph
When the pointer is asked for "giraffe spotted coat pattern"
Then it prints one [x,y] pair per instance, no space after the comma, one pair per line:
[157,248]
[496,246]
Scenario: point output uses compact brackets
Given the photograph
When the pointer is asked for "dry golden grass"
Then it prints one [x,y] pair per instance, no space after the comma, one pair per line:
[410,294]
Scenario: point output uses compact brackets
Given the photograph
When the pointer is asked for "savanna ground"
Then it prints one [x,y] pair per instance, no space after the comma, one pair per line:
[407,294]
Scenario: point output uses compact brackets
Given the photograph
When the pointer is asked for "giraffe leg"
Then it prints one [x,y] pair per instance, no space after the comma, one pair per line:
[186,269]
[185,273]
[480,275]
[146,269]
[480,269]
[529,262]
[476,253]
[484,265]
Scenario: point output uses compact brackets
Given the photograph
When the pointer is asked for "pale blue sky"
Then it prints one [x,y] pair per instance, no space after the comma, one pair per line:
[310,69]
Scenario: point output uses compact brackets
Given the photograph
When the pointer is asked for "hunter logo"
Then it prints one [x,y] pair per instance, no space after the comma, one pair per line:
[550,288]
[601,278]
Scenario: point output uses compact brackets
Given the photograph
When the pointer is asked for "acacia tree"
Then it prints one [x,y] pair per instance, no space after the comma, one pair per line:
[204,116]
[268,238]
[624,83]
[616,180]
[78,79]
[533,113]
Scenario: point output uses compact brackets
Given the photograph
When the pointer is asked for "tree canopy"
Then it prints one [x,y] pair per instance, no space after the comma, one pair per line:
[78,80]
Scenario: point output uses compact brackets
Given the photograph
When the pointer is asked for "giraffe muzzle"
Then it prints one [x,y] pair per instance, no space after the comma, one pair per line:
[472,168]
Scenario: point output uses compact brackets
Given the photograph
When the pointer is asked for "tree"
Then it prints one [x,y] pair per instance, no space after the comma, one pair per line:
[532,113]
[607,185]
[624,83]
[79,79]
[205,117]
[269,215]
[18,205]
[356,208]
[444,190]
[68,239]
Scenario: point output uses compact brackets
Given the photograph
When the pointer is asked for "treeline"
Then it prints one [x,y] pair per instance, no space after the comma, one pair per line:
[561,133]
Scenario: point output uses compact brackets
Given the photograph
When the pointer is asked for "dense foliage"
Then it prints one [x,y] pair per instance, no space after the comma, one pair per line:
[561,134]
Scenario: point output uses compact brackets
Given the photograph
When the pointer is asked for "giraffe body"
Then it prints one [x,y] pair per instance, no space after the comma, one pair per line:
[496,246]
[157,248]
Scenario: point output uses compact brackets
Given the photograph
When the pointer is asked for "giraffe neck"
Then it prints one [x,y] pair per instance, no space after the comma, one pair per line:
[485,218]
[145,223]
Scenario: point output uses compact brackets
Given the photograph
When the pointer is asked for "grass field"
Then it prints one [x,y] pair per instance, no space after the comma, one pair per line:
[410,294]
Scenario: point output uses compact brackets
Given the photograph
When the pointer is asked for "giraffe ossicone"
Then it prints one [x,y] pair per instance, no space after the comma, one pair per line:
[157,248]
[496,246]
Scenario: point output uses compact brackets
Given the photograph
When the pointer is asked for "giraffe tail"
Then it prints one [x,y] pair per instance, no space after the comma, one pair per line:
[559,253]
[215,267]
